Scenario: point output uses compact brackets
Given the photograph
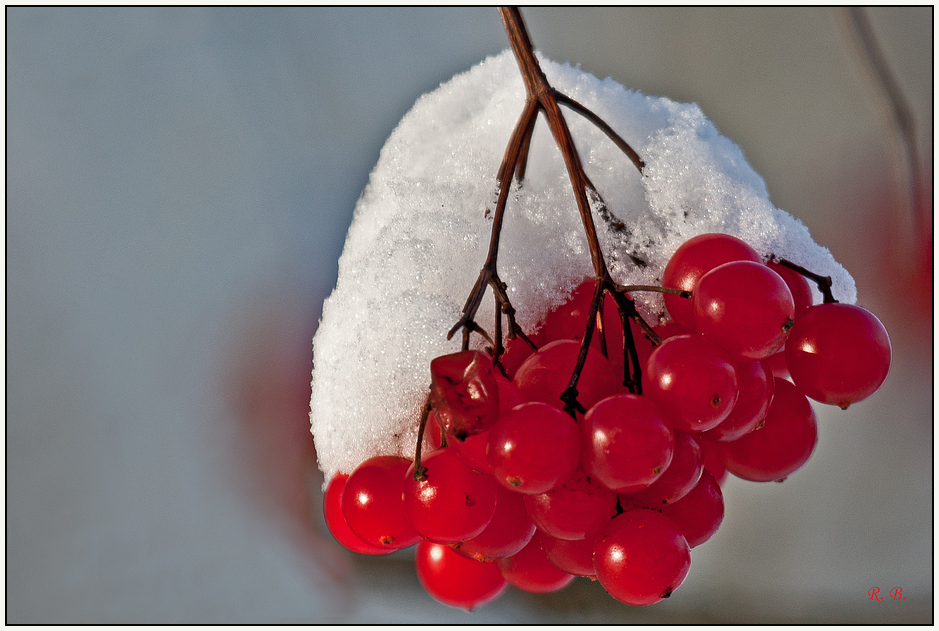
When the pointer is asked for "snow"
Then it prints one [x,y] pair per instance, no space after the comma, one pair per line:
[420,235]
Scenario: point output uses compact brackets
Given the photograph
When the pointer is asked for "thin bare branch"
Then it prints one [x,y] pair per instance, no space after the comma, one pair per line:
[603,126]
[541,97]
[900,108]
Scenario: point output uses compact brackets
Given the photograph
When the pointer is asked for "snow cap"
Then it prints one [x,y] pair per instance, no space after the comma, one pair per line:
[420,234]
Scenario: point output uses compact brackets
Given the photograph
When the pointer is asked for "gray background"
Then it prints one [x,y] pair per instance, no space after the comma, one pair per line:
[179,184]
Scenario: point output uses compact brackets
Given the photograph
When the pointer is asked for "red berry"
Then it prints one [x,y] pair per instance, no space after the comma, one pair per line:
[509,531]
[573,557]
[452,502]
[464,393]
[777,363]
[531,571]
[572,508]
[516,352]
[509,394]
[472,451]
[838,354]
[679,478]
[798,286]
[533,447]
[693,382]
[692,260]
[713,454]
[568,320]
[756,386]
[455,580]
[626,445]
[700,512]
[745,307]
[641,557]
[669,329]
[336,523]
[545,375]
[782,445]
[373,504]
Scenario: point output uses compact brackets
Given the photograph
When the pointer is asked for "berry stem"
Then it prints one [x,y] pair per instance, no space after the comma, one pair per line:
[627,309]
[488,275]
[522,166]
[541,95]
[569,396]
[420,473]
[603,126]
[631,379]
[823,282]
[662,290]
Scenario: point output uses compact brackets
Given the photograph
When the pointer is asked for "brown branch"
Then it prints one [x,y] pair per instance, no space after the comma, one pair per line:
[420,472]
[540,91]
[604,127]
[542,97]
[681,293]
[902,112]
[488,275]
[523,154]
[569,396]
[823,282]
[632,379]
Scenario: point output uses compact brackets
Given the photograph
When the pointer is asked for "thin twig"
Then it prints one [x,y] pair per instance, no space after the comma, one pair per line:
[681,293]
[569,396]
[824,282]
[900,108]
[606,129]
[420,472]
[523,154]
[488,275]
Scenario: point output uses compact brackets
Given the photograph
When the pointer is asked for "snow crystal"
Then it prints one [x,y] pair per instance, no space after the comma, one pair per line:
[420,234]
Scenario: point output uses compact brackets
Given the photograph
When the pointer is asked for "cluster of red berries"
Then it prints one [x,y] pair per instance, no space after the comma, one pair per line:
[520,489]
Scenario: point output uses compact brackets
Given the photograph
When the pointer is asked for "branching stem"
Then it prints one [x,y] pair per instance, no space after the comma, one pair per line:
[541,97]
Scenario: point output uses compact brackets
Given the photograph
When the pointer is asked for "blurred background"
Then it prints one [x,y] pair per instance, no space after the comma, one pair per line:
[179,185]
